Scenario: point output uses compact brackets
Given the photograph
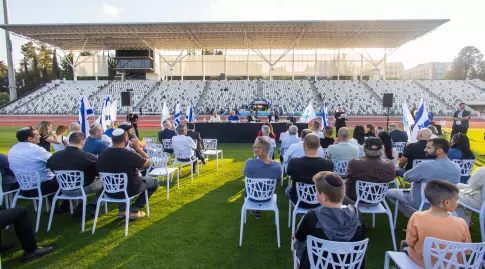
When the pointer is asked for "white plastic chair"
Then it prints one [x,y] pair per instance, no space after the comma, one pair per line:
[210,146]
[167,143]
[271,152]
[158,168]
[375,194]
[154,148]
[466,166]
[260,196]
[70,180]
[30,180]
[340,167]
[150,140]
[116,183]
[189,155]
[421,205]
[441,254]
[307,194]
[399,146]
[480,211]
[7,195]
[331,254]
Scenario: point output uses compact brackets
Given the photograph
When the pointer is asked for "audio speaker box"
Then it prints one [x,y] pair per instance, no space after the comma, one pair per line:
[387,100]
[222,76]
[126,99]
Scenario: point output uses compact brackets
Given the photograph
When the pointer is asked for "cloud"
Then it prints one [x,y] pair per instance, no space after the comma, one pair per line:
[111,11]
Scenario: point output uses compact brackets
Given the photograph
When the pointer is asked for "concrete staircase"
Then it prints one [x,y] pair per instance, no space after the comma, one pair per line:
[147,96]
[369,89]
[316,95]
[207,86]
[259,93]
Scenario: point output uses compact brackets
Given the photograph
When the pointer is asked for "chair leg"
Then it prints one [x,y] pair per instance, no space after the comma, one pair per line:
[127,216]
[242,226]
[147,204]
[386,261]
[70,206]
[105,207]
[98,205]
[482,224]
[39,211]
[289,214]
[178,179]
[168,185]
[35,205]
[396,211]
[192,172]
[51,215]
[389,214]
[217,161]
[373,220]
[277,226]
[83,220]
[47,205]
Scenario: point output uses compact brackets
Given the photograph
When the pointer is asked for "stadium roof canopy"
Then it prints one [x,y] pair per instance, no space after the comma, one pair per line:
[299,35]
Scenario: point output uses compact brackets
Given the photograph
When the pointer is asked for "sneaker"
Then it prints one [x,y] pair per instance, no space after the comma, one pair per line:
[137,215]
[39,252]
[255,213]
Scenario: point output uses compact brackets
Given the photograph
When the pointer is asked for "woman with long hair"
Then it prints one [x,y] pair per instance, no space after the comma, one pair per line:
[389,153]
[271,134]
[370,130]
[460,150]
[327,140]
[61,132]
[358,138]
[47,136]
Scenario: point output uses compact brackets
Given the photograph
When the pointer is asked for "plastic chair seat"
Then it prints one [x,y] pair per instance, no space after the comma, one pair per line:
[212,152]
[162,171]
[263,206]
[375,209]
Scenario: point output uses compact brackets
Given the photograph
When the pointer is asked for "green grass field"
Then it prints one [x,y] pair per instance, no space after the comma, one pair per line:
[197,228]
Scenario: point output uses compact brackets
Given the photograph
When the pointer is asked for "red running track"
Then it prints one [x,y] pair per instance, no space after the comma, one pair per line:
[154,121]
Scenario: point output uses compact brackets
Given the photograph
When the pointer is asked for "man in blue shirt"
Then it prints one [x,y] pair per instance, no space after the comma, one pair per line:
[233,117]
[94,144]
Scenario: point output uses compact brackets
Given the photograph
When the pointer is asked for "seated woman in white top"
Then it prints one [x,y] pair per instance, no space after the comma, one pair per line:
[388,152]
[471,193]
[316,129]
[215,117]
[61,134]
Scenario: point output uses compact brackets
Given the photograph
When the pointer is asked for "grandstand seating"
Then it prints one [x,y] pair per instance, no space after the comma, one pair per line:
[478,83]
[184,92]
[409,92]
[351,93]
[288,95]
[227,95]
[13,107]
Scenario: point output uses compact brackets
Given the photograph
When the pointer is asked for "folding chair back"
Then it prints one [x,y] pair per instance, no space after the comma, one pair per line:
[167,143]
[306,193]
[28,180]
[150,140]
[370,192]
[466,166]
[446,254]
[210,144]
[260,189]
[114,183]
[331,254]
[183,153]
[340,167]
[159,160]
[70,179]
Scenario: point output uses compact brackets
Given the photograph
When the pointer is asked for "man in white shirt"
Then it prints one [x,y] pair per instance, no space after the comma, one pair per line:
[184,144]
[215,117]
[27,155]
[289,140]
[296,150]
[343,150]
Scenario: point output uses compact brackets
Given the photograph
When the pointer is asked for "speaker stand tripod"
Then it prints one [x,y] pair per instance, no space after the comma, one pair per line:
[387,125]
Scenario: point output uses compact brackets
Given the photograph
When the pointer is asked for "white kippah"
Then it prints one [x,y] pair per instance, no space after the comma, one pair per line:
[118,132]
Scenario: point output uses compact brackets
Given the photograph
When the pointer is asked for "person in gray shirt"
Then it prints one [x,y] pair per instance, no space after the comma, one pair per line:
[441,168]
[343,150]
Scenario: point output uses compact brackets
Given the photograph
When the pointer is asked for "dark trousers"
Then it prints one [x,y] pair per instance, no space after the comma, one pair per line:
[457,129]
[46,187]
[337,127]
[23,226]
[199,154]
[148,184]
[136,129]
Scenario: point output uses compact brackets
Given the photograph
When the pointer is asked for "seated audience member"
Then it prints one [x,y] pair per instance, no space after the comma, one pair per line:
[233,117]
[263,166]
[273,117]
[296,150]
[184,143]
[215,117]
[272,135]
[61,132]
[26,155]
[327,139]
[471,193]
[303,169]
[436,222]
[396,134]
[460,150]
[113,126]
[343,150]
[74,158]
[166,133]
[118,159]
[441,167]
[94,144]
[292,118]
[379,129]
[389,153]
[332,221]
[9,182]
[291,139]
[370,130]
[414,151]
[19,218]
[251,117]
[285,134]
[316,129]
[197,139]
[358,138]
[369,169]
[74,127]
[434,131]
[47,135]
[265,131]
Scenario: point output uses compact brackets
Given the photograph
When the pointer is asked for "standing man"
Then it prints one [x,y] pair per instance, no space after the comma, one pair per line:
[340,118]
[460,120]
[133,119]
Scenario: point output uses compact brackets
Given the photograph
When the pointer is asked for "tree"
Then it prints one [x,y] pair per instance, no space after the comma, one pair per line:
[66,69]
[3,76]
[467,65]
[4,98]
[45,63]
[56,72]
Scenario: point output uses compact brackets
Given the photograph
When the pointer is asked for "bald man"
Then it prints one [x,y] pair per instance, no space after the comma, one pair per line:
[414,151]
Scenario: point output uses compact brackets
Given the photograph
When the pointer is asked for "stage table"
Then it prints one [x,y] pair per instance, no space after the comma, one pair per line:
[239,132]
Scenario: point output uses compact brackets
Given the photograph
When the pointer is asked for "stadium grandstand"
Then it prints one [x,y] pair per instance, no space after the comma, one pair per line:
[289,63]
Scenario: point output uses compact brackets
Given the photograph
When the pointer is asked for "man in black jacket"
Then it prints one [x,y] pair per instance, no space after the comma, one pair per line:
[166,133]
[197,139]
[396,134]
[251,117]
[273,117]
[461,120]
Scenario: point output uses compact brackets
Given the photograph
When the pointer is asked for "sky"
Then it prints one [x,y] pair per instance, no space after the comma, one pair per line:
[466,27]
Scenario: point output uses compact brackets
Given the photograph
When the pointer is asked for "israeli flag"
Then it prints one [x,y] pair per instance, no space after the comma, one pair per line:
[113,113]
[309,114]
[189,114]
[85,111]
[422,120]
[165,114]
[407,119]
[325,114]
[105,118]
[176,121]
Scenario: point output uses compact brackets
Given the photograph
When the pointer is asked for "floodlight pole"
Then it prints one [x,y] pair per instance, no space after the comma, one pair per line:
[12,85]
